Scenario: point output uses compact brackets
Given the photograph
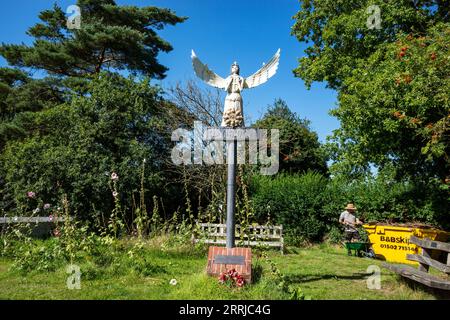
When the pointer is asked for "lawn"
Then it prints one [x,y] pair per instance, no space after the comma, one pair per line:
[322,272]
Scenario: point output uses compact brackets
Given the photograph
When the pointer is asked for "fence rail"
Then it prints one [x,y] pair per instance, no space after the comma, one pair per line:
[252,235]
[421,274]
[30,219]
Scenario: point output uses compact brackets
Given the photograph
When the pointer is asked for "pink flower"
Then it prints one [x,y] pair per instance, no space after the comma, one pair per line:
[50,217]
[56,233]
[115,194]
[114,176]
[31,194]
[46,206]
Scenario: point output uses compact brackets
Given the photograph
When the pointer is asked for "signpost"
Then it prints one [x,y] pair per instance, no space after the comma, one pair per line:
[222,259]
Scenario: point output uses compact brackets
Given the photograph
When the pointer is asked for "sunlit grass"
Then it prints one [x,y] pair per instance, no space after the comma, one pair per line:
[322,272]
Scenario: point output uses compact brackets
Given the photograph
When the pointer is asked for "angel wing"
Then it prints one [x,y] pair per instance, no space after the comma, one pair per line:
[202,71]
[263,74]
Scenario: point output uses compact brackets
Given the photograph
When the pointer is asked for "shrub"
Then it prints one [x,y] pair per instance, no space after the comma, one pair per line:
[294,201]
[308,206]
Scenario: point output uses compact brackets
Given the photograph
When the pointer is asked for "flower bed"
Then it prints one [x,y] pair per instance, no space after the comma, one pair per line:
[231,278]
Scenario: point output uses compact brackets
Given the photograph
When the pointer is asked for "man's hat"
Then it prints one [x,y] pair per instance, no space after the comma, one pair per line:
[350,206]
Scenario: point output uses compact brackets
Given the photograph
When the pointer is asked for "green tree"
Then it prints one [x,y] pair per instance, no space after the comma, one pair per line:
[110,37]
[300,149]
[341,38]
[397,111]
[67,132]
[76,146]
[393,86]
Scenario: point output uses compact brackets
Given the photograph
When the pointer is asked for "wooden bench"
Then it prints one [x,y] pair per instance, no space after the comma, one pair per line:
[254,235]
[421,274]
[40,226]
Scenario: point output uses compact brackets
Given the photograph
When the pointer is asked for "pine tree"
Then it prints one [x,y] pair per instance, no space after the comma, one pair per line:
[111,37]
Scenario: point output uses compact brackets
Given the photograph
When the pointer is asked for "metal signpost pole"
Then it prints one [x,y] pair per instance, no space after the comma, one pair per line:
[231,186]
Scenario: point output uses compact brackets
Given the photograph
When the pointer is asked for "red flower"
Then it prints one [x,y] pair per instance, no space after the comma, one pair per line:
[232,278]
[240,283]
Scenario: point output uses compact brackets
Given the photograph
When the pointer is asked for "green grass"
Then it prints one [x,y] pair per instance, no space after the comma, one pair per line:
[322,272]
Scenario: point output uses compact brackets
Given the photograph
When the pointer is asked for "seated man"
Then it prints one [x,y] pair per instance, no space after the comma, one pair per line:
[348,219]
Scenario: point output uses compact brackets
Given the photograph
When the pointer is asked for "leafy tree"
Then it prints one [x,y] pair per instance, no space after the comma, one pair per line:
[66,132]
[392,82]
[397,111]
[84,141]
[113,38]
[300,149]
[341,38]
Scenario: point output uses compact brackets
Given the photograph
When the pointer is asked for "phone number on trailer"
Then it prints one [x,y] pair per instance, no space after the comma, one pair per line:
[396,247]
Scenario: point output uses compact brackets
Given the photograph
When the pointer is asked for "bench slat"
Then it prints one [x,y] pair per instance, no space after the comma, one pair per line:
[30,219]
[251,235]
[249,227]
[431,262]
[419,276]
[251,243]
[430,244]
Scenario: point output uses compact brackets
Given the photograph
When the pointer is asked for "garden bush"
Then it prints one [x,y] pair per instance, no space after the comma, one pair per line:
[308,205]
[295,201]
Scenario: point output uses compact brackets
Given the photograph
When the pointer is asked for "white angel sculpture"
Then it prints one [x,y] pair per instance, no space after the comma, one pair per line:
[233,115]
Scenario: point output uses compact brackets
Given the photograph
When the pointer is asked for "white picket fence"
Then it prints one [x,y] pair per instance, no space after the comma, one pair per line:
[254,235]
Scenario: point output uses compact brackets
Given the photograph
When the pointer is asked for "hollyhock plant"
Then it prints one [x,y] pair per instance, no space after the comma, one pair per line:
[57,232]
[114,176]
[46,206]
[31,194]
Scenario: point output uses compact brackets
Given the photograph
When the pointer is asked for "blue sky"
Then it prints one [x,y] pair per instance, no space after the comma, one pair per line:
[220,32]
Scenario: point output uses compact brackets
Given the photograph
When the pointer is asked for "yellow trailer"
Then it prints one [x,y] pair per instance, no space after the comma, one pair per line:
[391,243]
